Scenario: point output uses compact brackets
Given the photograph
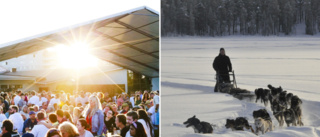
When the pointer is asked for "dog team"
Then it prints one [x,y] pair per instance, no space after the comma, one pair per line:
[286,107]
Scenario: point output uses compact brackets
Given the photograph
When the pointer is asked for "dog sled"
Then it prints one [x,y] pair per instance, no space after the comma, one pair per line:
[231,88]
[223,86]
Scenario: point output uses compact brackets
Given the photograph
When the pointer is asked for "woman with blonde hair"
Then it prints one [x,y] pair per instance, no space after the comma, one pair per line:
[94,115]
[67,129]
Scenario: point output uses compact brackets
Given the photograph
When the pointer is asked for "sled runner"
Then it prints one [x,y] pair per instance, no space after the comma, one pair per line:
[226,86]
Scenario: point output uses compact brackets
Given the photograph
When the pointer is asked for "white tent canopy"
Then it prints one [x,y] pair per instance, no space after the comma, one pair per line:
[129,39]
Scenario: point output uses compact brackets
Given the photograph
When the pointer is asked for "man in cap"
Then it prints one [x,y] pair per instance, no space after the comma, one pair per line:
[222,65]
[30,122]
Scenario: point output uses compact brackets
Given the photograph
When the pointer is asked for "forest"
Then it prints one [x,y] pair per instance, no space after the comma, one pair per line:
[238,17]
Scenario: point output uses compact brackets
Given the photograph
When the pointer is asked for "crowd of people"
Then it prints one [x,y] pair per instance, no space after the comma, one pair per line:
[83,114]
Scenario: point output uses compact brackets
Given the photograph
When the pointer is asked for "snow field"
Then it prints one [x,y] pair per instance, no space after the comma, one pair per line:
[188,81]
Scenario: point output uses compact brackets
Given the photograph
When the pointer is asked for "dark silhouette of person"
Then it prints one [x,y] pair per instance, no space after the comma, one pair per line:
[222,66]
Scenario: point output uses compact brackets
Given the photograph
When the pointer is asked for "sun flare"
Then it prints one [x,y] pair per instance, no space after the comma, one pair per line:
[76,56]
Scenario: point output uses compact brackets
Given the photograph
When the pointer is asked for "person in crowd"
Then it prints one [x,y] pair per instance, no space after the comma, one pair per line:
[44,105]
[25,97]
[50,109]
[106,109]
[155,99]
[9,112]
[132,98]
[137,100]
[71,109]
[142,106]
[40,130]
[59,114]
[65,107]
[76,115]
[109,121]
[148,105]
[67,116]
[121,124]
[53,121]
[2,116]
[55,100]
[21,102]
[82,99]
[156,103]
[43,99]
[53,132]
[125,108]
[24,112]
[12,99]
[36,108]
[68,130]
[115,109]
[7,129]
[17,98]
[104,105]
[145,96]
[82,125]
[132,117]
[2,104]
[27,135]
[5,103]
[100,96]
[145,121]
[16,119]
[137,130]
[34,100]
[120,100]
[30,122]
[126,97]
[107,98]
[94,115]
[63,96]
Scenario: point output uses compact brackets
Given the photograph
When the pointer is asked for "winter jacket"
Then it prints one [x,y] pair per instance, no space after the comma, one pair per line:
[97,122]
[222,63]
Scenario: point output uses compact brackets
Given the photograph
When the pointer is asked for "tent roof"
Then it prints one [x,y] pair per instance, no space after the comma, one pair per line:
[53,75]
[129,39]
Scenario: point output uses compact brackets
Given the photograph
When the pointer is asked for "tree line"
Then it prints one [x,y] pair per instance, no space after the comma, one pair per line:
[245,17]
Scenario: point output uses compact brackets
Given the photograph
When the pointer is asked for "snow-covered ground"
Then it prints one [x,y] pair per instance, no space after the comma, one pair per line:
[187,81]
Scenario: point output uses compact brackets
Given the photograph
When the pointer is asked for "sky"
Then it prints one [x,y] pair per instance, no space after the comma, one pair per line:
[20,19]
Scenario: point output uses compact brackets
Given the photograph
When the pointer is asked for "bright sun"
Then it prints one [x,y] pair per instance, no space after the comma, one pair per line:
[76,56]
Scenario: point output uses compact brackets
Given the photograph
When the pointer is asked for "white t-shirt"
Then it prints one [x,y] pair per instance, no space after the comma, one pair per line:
[43,99]
[16,100]
[17,121]
[88,134]
[132,101]
[2,117]
[145,126]
[82,100]
[156,100]
[25,114]
[128,134]
[152,110]
[39,130]
[34,100]
[53,101]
